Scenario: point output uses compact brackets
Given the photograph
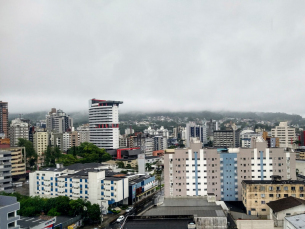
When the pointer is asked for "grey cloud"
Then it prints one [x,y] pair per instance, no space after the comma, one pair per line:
[153,55]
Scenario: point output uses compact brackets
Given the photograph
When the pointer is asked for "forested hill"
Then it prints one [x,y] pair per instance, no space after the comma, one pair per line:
[82,117]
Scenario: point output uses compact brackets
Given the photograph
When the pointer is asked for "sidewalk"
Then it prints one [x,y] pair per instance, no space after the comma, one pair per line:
[110,218]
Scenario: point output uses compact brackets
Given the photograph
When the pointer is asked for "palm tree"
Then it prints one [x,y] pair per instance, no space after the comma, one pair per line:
[148,166]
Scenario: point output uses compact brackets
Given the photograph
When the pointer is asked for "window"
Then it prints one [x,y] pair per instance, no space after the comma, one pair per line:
[263,202]
[263,209]
[286,188]
[301,195]
[263,195]
[270,195]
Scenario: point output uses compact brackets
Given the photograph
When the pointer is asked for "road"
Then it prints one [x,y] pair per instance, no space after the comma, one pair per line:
[158,197]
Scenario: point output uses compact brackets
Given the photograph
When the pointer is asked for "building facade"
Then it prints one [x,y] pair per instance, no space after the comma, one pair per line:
[226,138]
[6,171]
[245,138]
[40,142]
[18,129]
[86,181]
[211,126]
[104,123]
[196,171]
[84,133]
[160,143]
[8,212]
[4,119]
[286,134]
[18,161]
[195,131]
[58,121]
[257,194]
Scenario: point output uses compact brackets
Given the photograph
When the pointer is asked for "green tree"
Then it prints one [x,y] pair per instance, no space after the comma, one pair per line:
[31,155]
[106,157]
[94,212]
[128,166]
[67,159]
[148,166]
[53,212]
[51,155]
[120,164]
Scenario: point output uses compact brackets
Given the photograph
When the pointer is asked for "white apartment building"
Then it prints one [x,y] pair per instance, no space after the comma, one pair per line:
[86,181]
[104,123]
[285,134]
[158,132]
[18,129]
[148,146]
[160,143]
[58,121]
[84,133]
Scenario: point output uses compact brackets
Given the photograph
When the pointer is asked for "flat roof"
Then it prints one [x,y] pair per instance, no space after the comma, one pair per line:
[26,222]
[157,223]
[187,206]
[273,182]
[298,221]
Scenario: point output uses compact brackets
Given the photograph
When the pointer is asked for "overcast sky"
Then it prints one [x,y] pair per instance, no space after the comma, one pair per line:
[153,55]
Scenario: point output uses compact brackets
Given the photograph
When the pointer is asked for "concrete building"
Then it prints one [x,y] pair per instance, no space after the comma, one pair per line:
[18,161]
[285,207]
[58,121]
[91,181]
[8,212]
[84,133]
[6,171]
[245,137]
[285,133]
[257,194]
[18,129]
[75,138]
[226,138]
[61,140]
[104,123]
[4,119]
[40,142]
[196,171]
[193,130]
[158,132]
[211,126]
[129,131]
[160,143]
[140,186]
[148,146]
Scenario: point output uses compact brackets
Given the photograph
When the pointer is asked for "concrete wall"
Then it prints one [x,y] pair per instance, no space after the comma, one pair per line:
[255,224]
[210,222]
[8,204]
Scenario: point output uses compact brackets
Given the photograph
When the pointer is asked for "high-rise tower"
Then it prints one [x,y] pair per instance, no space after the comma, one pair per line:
[104,123]
[4,118]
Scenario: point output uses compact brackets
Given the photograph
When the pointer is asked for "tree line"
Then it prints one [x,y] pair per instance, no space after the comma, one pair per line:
[84,153]
[57,206]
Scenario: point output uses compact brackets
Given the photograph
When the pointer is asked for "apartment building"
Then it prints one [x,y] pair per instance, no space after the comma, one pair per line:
[285,134]
[193,130]
[84,133]
[226,138]
[4,119]
[6,171]
[18,161]
[75,138]
[8,212]
[40,142]
[245,137]
[160,143]
[90,181]
[196,171]
[256,194]
[18,129]
[58,121]
[104,123]
[211,126]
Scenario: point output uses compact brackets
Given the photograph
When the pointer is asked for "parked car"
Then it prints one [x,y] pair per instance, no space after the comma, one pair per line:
[129,209]
[120,219]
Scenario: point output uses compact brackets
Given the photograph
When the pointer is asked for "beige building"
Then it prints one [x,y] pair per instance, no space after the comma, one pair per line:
[40,143]
[285,134]
[18,161]
[257,193]
[132,162]
[75,138]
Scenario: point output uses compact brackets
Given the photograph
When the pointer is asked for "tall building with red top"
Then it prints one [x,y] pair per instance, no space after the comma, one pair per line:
[104,123]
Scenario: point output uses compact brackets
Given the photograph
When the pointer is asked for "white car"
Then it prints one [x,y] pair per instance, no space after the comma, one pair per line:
[129,209]
[120,219]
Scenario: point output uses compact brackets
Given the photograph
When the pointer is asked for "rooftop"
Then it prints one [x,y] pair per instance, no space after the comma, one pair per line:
[186,207]
[26,222]
[157,223]
[273,182]
[285,203]
[298,221]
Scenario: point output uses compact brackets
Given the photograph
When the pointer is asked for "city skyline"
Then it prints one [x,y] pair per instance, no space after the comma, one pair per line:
[242,56]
